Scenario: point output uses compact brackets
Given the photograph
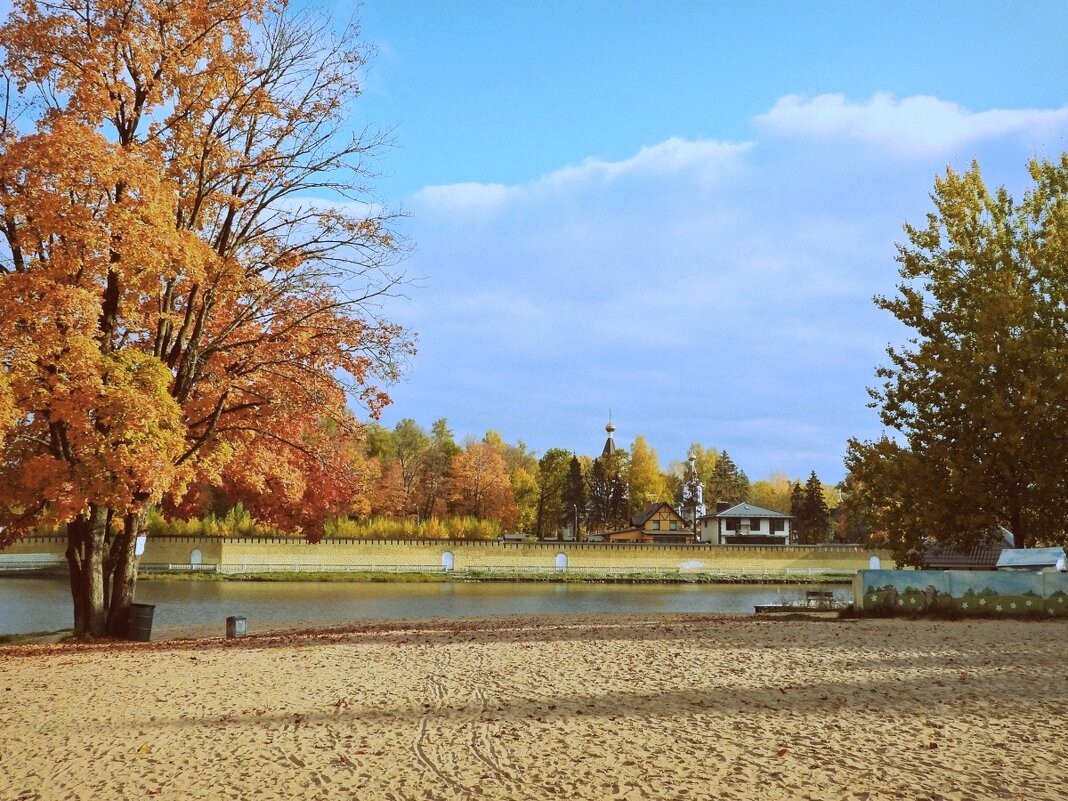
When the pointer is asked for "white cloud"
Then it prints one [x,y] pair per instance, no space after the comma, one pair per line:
[920,124]
[481,200]
[695,288]
[706,158]
[707,161]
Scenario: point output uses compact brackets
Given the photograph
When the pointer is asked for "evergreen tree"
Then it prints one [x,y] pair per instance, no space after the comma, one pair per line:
[797,509]
[553,512]
[575,498]
[817,515]
[728,484]
[608,491]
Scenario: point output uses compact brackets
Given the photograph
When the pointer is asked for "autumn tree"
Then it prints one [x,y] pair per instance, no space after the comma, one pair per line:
[478,485]
[414,464]
[976,395]
[443,448]
[190,286]
[645,483]
[522,467]
[772,493]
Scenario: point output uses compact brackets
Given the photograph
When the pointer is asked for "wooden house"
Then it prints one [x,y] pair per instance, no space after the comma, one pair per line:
[658,523]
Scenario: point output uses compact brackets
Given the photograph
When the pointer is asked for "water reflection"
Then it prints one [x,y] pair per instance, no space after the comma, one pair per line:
[28,604]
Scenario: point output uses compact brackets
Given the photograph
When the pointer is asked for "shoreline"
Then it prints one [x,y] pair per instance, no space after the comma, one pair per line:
[401,577]
[623,707]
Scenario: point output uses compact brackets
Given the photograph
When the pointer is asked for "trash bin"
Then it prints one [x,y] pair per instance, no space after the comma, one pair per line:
[139,622]
[235,627]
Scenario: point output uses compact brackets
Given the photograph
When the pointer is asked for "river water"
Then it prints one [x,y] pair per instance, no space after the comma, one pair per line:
[36,604]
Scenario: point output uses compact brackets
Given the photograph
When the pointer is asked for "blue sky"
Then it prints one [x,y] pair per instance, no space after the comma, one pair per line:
[680,211]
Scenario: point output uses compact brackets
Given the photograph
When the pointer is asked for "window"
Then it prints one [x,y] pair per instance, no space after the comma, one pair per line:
[674,525]
[656,525]
[778,525]
[754,524]
[732,524]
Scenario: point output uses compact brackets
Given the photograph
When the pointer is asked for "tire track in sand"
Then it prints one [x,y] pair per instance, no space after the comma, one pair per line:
[482,756]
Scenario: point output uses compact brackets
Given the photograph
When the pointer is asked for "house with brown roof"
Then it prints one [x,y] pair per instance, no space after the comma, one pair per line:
[658,523]
[982,555]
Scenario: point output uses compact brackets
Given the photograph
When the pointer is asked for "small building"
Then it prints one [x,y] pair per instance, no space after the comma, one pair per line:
[1034,559]
[658,523]
[746,524]
[983,555]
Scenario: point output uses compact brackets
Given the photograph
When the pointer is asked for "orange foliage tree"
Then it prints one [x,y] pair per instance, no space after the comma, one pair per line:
[190,281]
[478,485]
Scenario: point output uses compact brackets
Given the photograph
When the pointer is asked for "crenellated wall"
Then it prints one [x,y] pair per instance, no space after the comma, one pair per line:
[234,554]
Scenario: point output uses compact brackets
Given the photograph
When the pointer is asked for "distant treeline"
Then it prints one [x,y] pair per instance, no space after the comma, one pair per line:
[420,482]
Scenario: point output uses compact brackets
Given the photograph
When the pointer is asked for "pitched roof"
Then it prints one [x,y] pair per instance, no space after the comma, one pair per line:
[1030,557]
[652,509]
[749,510]
[946,557]
[982,555]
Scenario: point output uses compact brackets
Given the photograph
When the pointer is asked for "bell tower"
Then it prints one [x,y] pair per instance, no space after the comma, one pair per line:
[610,443]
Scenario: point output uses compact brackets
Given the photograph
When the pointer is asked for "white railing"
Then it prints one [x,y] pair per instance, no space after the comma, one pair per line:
[291,567]
[531,570]
[15,563]
[173,567]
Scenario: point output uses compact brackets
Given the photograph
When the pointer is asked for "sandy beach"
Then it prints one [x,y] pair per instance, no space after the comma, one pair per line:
[588,708]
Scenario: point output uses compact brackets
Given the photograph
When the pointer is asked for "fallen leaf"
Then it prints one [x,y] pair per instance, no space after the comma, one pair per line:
[782,752]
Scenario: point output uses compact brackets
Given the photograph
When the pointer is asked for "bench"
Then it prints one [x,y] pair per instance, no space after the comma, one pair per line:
[819,598]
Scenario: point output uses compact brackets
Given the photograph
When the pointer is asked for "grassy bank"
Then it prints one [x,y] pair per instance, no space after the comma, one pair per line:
[331,576]
[474,575]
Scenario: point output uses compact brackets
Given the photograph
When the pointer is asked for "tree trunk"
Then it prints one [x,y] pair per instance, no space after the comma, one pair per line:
[124,573]
[85,556]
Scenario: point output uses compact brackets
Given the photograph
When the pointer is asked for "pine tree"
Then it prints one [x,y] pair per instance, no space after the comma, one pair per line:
[797,509]
[728,483]
[608,491]
[817,515]
[575,496]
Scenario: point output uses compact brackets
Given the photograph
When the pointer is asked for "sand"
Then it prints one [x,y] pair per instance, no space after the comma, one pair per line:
[568,708]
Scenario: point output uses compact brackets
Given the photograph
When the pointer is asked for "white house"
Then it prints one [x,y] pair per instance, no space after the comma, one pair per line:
[745,524]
